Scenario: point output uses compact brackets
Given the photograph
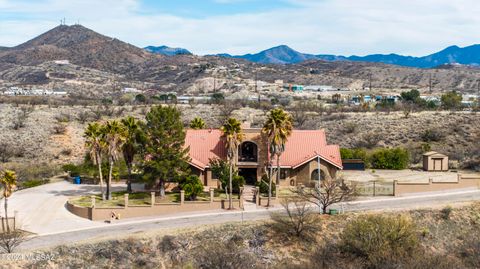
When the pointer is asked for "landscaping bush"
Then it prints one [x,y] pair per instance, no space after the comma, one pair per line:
[380,238]
[192,187]
[33,183]
[357,153]
[396,158]
[263,184]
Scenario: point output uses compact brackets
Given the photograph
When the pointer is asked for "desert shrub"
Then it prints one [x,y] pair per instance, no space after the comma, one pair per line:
[7,151]
[350,127]
[263,185]
[33,183]
[59,129]
[451,100]
[469,250]
[445,212]
[84,116]
[32,172]
[432,135]
[19,121]
[396,158]
[369,140]
[380,238]
[220,254]
[192,186]
[62,117]
[298,219]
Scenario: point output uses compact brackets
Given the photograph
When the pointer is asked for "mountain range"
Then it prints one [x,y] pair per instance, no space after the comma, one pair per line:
[285,55]
[98,63]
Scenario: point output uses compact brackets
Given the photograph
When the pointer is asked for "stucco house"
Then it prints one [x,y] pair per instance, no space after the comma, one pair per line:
[299,163]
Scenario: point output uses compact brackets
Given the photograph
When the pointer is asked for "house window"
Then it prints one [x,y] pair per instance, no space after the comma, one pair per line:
[283,174]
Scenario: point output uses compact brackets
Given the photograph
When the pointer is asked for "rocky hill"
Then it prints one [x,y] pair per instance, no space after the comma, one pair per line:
[79,45]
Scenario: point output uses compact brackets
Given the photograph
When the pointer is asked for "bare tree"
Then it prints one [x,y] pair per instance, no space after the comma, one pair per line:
[9,241]
[331,191]
[299,218]
[7,151]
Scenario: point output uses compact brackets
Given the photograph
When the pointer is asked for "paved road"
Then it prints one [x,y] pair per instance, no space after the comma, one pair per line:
[136,226]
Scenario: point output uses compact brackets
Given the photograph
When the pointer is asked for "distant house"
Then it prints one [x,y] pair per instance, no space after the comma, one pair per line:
[293,88]
[299,163]
[434,161]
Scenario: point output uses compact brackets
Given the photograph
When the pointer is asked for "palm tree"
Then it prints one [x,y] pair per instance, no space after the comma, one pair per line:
[133,136]
[94,135]
[8,180]
[277,128]
[114,139]
[232,130]
[197,123]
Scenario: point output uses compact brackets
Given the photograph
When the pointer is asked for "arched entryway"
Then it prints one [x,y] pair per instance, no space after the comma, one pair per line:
[314,175]
[248,152]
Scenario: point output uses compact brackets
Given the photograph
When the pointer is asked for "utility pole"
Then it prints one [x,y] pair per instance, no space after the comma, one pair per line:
[430,88]
[370,82]
[256,86]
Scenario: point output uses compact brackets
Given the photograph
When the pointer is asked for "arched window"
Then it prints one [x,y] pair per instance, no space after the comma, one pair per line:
[314,176]
[248,152]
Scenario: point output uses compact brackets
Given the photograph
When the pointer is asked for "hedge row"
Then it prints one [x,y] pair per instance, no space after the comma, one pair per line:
[384,158]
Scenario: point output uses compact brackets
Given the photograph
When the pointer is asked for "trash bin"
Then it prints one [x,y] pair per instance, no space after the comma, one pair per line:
[333,212]
[76,180]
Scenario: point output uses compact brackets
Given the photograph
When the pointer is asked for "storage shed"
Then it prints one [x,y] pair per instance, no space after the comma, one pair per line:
[434,161]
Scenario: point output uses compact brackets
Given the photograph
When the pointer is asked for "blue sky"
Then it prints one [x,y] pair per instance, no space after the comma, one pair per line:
[345,27]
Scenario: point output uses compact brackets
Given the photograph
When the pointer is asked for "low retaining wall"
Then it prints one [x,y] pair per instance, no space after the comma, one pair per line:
[132,211]
[462,182]
[84,212]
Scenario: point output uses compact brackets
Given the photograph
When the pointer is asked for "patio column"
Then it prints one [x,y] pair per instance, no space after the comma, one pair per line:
[152,198]
[257,195]
[212,195]
[182,197]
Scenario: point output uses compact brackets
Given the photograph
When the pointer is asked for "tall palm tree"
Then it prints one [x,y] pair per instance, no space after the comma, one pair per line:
[114,139]
[8,179]
[94,140]
[232,130]
[133,137]
[277,128]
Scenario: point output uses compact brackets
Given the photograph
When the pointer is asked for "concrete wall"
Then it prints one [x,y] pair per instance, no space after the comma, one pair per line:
[463,182]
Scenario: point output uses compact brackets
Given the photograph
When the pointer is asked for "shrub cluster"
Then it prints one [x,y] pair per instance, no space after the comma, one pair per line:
[385,158]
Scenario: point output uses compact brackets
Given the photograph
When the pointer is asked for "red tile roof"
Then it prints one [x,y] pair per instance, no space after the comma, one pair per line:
[302,146]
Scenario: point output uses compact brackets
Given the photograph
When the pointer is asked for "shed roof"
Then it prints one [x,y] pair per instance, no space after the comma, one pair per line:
[434,153]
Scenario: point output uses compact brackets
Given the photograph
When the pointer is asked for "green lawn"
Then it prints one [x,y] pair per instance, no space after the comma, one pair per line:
[139,198]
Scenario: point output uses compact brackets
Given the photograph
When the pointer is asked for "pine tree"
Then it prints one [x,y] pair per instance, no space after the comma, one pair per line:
[166,158]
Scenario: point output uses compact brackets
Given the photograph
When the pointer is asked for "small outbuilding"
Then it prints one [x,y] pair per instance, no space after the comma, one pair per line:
[434,161]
